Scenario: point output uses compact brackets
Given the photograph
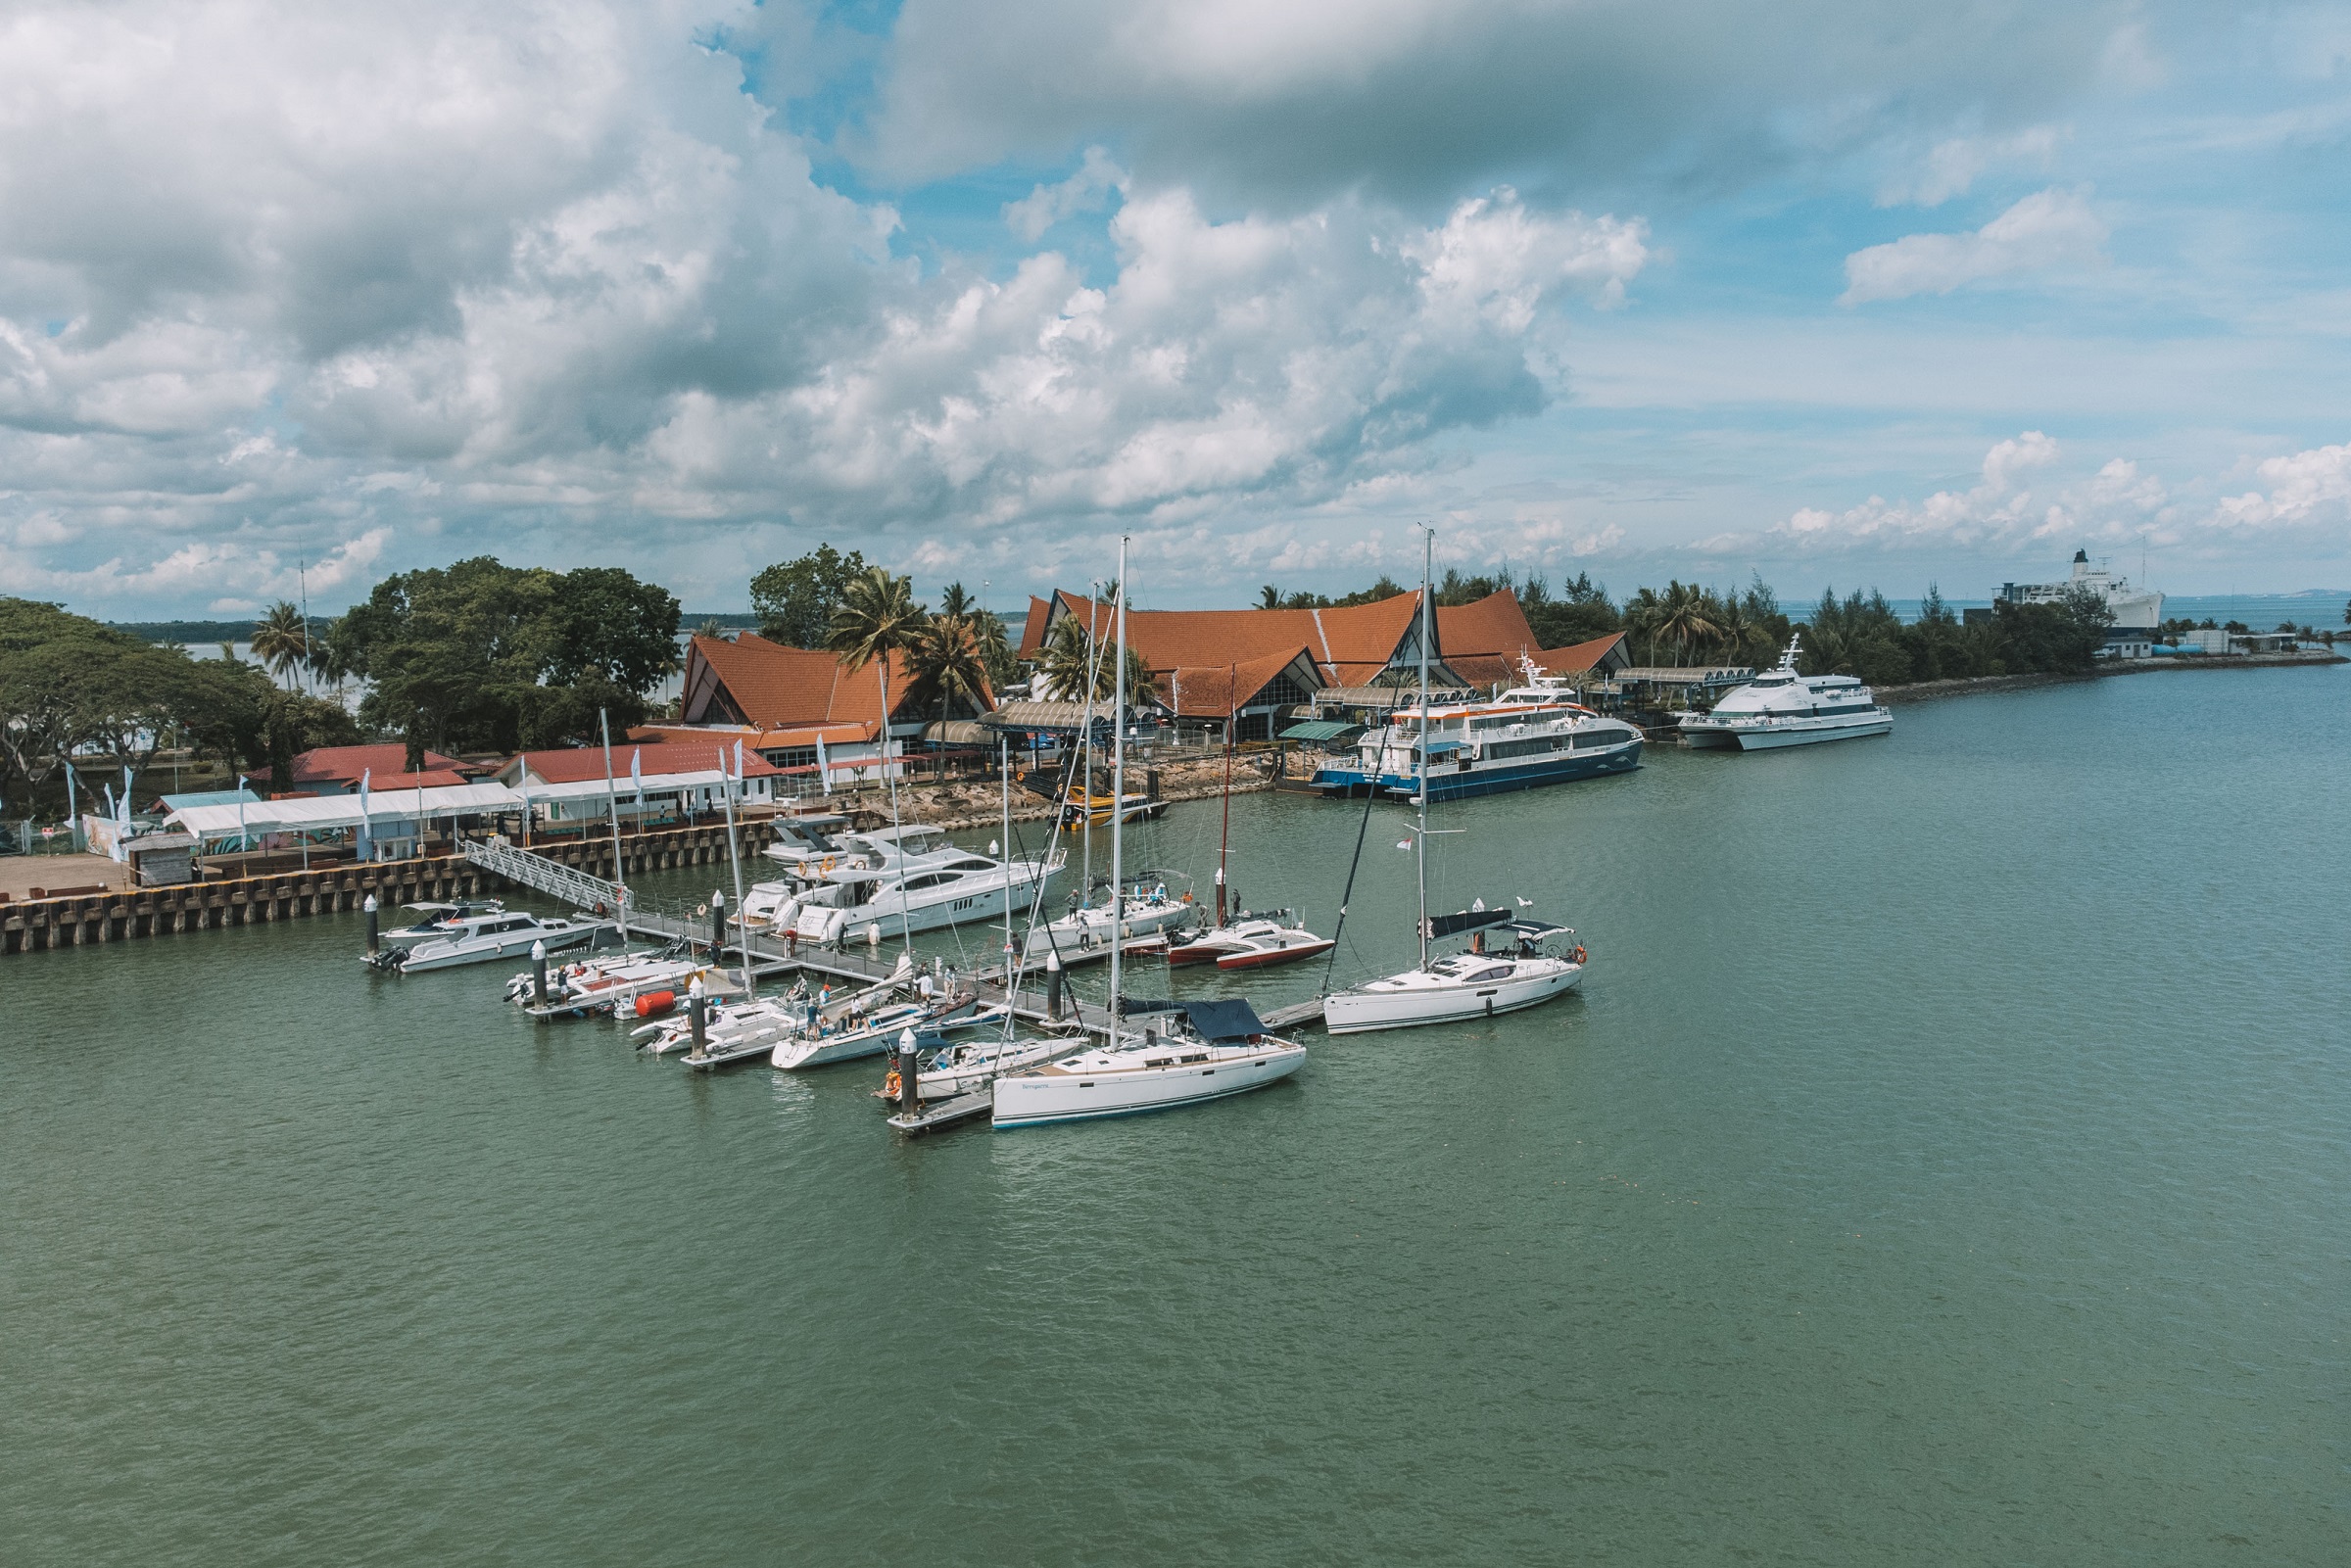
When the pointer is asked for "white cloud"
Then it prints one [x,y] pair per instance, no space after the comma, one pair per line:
[2050,230]
[264,295]
[1952,166]
[1086,191]
[2306,489]
[1289,105]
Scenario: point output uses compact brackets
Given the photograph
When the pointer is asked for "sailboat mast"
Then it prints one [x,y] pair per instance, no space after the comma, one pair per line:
[1428,537]
[1004,790]
[620,875]
[1085,745]
[1233,698]
[1118,802]
[735,860]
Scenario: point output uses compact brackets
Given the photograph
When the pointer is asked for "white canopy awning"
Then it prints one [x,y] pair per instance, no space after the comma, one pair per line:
[660,784]
[320,813]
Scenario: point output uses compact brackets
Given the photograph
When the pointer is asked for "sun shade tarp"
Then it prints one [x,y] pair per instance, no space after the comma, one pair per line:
[1235,1019]
[1469,920]
[321,813]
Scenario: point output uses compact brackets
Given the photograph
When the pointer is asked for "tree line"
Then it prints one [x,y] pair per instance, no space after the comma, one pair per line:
[1859,634]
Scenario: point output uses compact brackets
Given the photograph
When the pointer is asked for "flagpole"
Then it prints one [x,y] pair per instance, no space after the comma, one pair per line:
[620,880]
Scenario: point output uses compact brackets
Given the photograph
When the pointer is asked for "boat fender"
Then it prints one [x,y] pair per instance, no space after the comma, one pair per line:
[1579,955]
[656,1003]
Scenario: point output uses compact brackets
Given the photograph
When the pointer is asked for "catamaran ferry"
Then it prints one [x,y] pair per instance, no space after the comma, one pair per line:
[1531,735]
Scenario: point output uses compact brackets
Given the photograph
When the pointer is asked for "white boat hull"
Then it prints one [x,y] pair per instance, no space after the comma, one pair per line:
[1084,936]
[1359,1011]
[875,1039]
[1035,1101]
[1771,735]
[488,949]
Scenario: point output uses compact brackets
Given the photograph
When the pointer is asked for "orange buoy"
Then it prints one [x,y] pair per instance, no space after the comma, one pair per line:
[655,1003]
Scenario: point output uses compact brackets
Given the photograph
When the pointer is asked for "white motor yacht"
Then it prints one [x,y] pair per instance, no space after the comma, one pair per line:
[904,880]
[1218,1049]
[486,938]
[441,920]
[1462,986]
[1781,708]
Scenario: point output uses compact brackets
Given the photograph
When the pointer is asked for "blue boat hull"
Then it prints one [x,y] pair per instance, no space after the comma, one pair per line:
[1445,785]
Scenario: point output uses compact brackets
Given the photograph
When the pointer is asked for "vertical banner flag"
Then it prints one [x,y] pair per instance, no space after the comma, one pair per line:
[824,771]
[366,846]
[637,777]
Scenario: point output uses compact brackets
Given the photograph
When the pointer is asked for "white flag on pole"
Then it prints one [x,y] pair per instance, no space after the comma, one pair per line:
[824,774]
[367,843]
[637,777]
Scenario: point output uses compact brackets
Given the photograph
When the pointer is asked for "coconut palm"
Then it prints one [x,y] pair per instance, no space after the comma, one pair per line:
[944,660]
[281,641]
[876,617]
[1064,662]
[1686,614]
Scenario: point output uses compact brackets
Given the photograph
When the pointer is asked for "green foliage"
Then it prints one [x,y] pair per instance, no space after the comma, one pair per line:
[876,613]
[70,687]
[1269,598]
[1580,612]
[1857,635]
[482,656]
[795,599]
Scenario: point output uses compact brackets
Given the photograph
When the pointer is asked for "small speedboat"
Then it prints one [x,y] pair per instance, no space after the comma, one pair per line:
[609,985]
[486,939]
[1251,944]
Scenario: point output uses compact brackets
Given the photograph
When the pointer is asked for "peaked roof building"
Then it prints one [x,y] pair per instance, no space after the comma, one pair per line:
[1215,662]
[788,697]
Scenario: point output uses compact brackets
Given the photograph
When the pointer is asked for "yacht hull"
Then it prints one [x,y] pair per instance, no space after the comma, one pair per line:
[1039,1101]
[507,945]
[1445,782]
[1362,1012]
[1789,733]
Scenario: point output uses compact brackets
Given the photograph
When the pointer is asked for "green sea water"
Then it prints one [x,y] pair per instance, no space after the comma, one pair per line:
[1946,1161]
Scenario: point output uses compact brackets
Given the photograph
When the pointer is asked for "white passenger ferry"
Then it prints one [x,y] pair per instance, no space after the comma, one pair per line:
[1532,735]
[1781,708]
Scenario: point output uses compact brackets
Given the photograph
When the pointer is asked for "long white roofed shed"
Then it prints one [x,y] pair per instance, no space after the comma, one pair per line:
[323,813]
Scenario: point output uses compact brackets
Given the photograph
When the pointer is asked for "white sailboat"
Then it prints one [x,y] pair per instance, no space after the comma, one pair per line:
[1462,985]
[1218,1049]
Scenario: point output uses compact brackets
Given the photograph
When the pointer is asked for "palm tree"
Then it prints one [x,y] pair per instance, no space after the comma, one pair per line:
[1642,613]
[944,660]
[1686,614]
[877,616]
[955,599]
[281,641]
[1269,598]
[1063,662]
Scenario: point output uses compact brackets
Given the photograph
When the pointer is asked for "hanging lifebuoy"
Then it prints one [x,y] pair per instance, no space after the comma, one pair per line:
[889,1085]
[1579,955]
[828,865]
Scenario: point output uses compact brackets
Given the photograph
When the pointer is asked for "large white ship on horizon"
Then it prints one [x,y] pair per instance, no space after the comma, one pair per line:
[2138,611]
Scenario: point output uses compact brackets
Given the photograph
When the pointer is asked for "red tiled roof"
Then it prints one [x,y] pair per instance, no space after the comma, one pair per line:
[345,764]
[1213,692]
[1483,642]
[779,687]
[579,764]
[801,735]
[1580,656]
[430,778]
[1347,644]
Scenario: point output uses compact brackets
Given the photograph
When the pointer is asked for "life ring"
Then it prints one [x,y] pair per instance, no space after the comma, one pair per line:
[826,867]
[889,1085]
[1579,955]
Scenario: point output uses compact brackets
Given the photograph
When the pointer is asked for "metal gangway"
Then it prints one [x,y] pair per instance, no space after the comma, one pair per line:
[549,876]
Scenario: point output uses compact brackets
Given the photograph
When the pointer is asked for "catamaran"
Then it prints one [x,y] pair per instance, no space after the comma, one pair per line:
[1781,708]
[1218,1049]
[1460,985]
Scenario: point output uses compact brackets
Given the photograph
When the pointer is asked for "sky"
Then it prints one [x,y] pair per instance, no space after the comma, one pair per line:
[1841,294]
